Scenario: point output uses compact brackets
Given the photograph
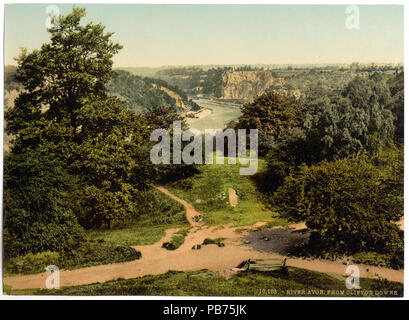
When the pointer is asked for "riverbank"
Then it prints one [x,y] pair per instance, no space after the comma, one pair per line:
[217,116]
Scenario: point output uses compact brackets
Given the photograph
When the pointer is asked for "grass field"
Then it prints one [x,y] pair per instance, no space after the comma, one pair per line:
[109,246]
[294,282]
[208,192]
[163,213]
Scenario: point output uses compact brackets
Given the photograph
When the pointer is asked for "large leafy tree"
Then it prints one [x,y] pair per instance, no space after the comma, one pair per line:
[351,204]
[396,87]
[360,120]
[270,113]
[65,113]
[58,78]
[37,213]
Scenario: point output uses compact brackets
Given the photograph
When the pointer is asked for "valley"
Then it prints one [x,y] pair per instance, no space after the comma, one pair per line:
[220,115]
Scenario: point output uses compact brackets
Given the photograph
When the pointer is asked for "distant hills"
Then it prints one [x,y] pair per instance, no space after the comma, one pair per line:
[142,94]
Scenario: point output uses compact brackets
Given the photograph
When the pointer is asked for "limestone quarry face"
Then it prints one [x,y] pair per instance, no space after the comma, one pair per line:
[246,85]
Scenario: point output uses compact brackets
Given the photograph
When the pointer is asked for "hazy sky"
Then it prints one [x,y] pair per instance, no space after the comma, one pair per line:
[156,35]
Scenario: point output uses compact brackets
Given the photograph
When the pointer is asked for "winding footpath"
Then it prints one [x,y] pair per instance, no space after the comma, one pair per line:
[157,260]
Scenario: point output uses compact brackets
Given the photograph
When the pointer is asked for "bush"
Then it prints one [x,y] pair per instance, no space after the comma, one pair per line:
[31,263]
[331,127]
[98,252]
[90,253]
[177,240]
[352,204]
[156,208]
[212,241]
[37,213]
[371,258]
[393,259]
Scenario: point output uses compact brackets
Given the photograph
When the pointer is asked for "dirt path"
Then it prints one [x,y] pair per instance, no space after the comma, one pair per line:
[157,260]
[190,211]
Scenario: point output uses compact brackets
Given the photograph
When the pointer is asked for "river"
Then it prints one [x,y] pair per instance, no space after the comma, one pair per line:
[222,114]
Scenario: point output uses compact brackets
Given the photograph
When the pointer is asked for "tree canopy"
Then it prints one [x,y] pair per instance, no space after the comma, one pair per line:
[352,204]
[65,116]
[271,114]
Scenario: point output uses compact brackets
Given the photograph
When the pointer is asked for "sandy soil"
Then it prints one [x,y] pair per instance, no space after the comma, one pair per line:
[157,260]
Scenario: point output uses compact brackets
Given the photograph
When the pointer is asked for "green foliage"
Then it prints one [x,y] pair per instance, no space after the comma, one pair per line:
[163,118]
[65,112]
[352,204]
[270,113]
[372,258]
[155,208]
[155,212]
[31,263]
[131,235]
[105,164]
[143,94]
[357,121]
[177,240]
[208,192]
[76,64]
[90,253]
[213,83]
[212,241]
[37,213]
[98,252]
[396,87]
[138,93]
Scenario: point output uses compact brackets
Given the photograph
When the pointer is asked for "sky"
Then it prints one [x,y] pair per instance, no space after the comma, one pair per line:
[159,35]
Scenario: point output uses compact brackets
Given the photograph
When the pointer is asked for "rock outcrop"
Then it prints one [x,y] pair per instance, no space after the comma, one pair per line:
[246,85]
[179,101]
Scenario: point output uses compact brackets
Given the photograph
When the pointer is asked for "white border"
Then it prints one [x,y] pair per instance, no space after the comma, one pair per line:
[294,2]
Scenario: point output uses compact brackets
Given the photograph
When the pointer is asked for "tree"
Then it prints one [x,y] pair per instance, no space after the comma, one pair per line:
[351,204]
[270,113]
[397,106]
[358,121]
[37,212]
[163,118]
[76,64]
[104,163]
[140,94]
[66,113]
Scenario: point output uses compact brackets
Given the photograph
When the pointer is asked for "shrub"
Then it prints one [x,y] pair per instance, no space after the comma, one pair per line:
[212,241]
[371,258]
[32,263]
[352,204]
[37,214]
[90,253]
[177,240]
[157,208]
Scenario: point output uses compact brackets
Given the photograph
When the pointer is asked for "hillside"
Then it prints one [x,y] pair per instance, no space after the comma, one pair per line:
[141,94]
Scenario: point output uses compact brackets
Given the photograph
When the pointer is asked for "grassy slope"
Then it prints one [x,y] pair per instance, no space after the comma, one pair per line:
[165,213]
[208,193]
[204,283]
[102,245]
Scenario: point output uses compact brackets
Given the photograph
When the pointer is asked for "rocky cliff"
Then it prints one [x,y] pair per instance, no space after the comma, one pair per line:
[178,99]
[246,85]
